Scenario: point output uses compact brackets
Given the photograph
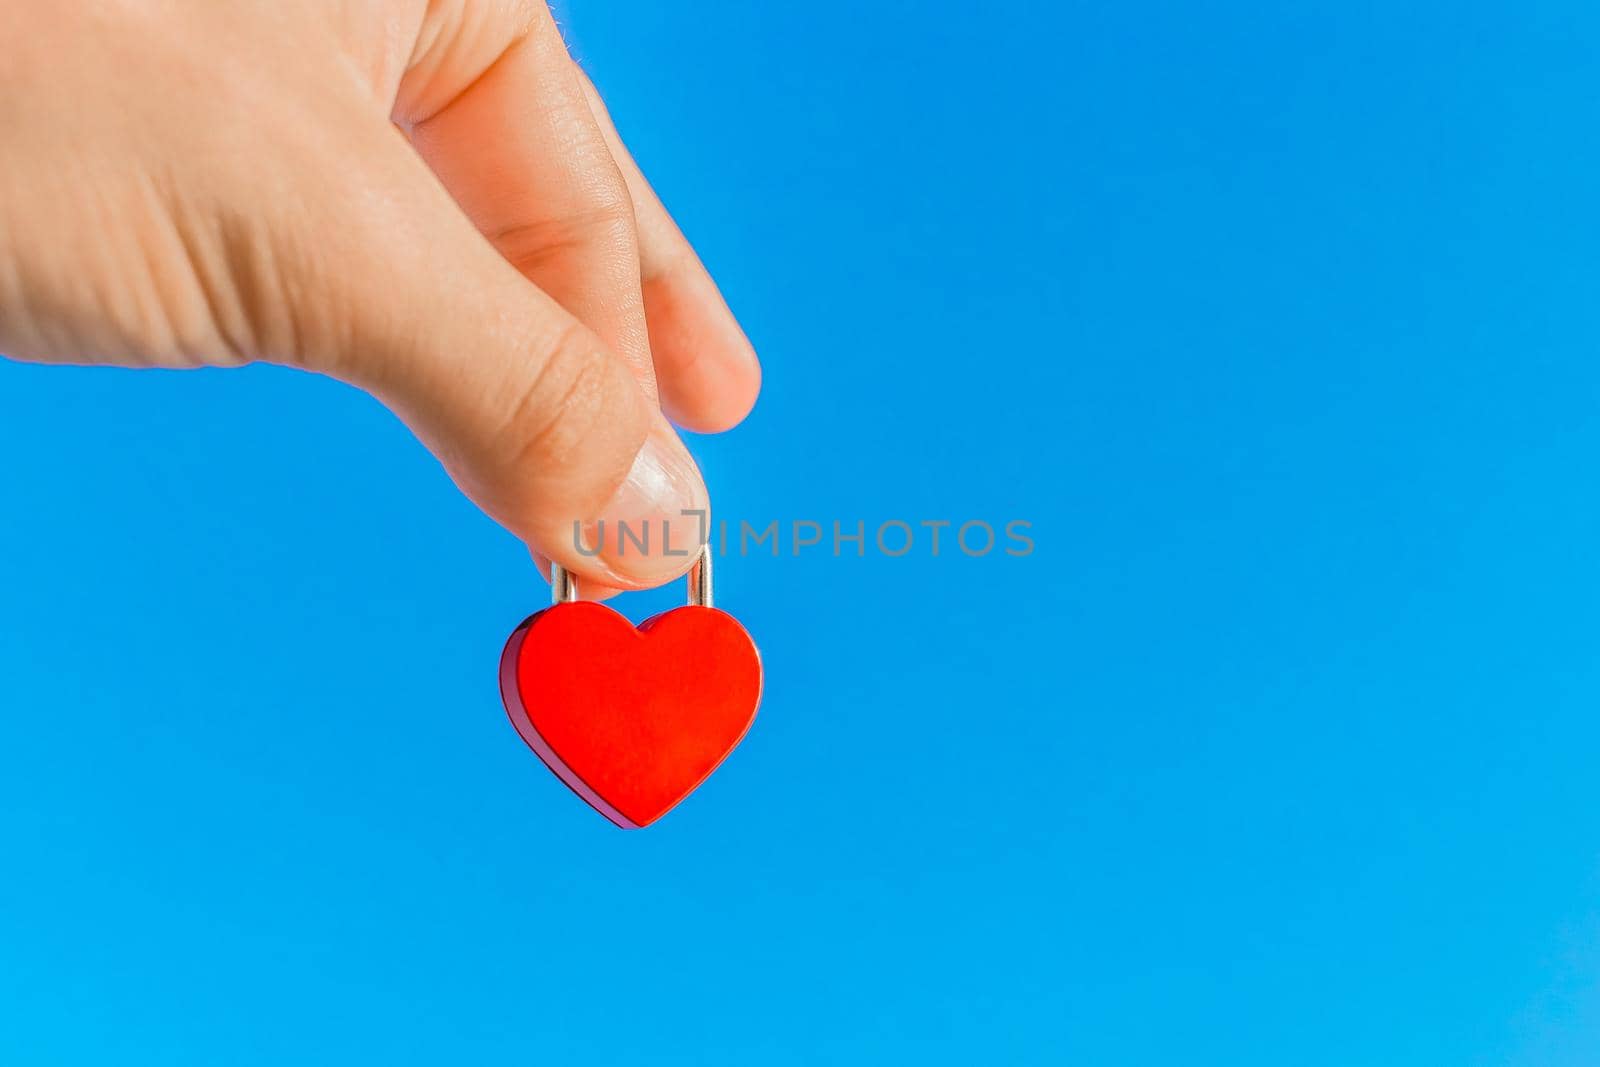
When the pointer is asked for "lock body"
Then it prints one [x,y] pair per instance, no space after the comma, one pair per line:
[632,719]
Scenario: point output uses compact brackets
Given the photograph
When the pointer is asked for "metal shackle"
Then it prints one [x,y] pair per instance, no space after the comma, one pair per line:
[564,584]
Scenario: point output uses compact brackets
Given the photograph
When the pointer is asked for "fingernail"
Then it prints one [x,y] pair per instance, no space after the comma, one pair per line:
[655,523]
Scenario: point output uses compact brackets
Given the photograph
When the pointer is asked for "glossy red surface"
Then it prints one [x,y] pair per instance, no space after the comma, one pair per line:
[631,719]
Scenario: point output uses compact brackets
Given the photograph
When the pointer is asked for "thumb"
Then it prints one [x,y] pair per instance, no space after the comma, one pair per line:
[535,418]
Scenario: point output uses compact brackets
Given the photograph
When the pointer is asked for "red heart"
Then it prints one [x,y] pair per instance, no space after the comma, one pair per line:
[633,720]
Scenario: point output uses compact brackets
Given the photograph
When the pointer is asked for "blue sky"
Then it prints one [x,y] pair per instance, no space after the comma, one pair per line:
[1277,323]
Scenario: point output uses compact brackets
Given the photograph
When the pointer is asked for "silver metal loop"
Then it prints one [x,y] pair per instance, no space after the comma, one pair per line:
[564,584]
[700,579]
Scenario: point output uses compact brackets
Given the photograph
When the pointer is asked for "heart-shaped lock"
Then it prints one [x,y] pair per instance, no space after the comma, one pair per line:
[632,719]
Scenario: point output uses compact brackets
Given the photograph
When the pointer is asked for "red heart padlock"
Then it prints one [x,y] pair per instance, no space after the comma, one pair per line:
[631,719]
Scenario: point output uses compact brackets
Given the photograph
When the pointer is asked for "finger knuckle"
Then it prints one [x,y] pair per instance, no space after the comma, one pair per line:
[600,220]
[561,409]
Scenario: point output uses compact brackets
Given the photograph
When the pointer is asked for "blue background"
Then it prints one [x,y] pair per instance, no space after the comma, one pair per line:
[1277,320]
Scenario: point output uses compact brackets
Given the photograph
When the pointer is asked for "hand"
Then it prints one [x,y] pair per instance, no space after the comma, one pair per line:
[424,199]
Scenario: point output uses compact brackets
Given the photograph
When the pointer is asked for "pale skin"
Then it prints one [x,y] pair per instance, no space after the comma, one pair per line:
[424,199]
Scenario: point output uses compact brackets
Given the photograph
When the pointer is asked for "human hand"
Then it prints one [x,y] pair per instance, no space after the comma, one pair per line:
[423,198]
